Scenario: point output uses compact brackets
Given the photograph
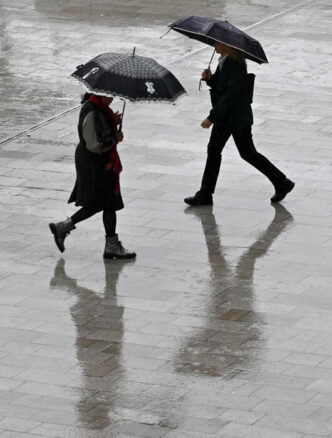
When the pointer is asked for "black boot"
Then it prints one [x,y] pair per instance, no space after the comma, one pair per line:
[115,250]
[282,190]
[60,231]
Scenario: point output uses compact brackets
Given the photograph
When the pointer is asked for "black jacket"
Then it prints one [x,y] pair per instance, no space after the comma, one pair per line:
[95,184]
[230,96]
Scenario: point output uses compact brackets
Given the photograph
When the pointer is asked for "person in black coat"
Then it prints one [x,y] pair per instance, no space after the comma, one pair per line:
[231,114]
[98,165]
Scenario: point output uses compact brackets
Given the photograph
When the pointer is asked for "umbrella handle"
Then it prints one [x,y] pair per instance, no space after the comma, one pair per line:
[123,110]
[200,81]
[212,58]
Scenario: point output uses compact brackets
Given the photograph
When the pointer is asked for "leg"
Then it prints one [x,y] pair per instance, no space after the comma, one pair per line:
[247,150]
[113,246]
[245,145]
[109,219]
[83,213]
[216,144]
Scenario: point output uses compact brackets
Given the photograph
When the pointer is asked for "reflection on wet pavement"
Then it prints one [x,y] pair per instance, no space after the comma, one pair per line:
[99,311]
[231,302]
[215,347]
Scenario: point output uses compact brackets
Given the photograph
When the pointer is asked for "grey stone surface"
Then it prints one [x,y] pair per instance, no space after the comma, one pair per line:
[222,326]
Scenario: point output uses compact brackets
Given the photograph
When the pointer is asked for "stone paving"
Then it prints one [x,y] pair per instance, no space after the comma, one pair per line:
[222,326]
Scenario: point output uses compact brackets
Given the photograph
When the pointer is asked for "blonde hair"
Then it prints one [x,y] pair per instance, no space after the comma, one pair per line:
[236,54]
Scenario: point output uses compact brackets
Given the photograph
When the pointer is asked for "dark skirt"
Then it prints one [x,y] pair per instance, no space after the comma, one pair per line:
[95,184]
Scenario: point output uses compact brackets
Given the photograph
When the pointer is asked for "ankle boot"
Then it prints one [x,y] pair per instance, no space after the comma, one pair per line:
[115,250]
[60,231]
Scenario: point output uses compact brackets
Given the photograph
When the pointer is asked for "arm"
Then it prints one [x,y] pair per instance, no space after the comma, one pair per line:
[97,135]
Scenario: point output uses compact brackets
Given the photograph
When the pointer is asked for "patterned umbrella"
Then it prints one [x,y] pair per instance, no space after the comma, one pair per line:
[129,76]
[210,30]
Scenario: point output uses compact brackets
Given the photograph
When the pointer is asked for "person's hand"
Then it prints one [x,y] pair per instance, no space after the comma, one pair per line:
[206,74]
[206,124]
[119,136]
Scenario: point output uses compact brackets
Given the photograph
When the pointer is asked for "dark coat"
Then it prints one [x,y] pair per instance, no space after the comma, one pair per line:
[95,184]
[230,96]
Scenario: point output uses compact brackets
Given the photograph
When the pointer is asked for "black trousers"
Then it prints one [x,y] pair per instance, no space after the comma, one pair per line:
[247,150]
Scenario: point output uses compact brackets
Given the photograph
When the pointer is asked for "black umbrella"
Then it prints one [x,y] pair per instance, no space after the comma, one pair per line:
[210,30]
[131,77]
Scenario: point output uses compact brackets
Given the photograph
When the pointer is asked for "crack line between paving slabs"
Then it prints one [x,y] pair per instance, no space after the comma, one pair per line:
[254,26]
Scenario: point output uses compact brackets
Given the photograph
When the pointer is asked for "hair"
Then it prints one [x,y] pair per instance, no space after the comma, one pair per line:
[237,55]
[85,97]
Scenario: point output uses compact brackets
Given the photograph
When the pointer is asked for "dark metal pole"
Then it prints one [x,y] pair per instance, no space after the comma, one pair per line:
[212,58]
[200,81]
[123,110]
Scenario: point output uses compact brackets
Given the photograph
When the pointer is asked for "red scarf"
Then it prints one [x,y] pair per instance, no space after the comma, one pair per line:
[114,162]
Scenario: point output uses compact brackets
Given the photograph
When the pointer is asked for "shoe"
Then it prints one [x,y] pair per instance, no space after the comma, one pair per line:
[60,231]
[198,200]
[282,190]
[115,250]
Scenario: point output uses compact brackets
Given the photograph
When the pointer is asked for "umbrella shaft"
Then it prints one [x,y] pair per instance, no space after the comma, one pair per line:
[212,57]
[123,110]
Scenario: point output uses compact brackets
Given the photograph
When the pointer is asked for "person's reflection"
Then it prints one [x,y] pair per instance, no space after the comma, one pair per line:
[99,356]
[219,346]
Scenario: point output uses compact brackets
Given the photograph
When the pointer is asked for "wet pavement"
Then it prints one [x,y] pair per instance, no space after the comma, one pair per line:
[222,326]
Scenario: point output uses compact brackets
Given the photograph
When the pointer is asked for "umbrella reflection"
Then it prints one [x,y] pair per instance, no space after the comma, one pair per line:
[230,309]
[91,312]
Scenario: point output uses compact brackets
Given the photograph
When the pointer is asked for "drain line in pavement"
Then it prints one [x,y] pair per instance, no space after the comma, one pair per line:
[254,26]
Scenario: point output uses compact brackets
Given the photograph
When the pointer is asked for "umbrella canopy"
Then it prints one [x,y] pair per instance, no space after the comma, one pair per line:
[129,76]
[210,30]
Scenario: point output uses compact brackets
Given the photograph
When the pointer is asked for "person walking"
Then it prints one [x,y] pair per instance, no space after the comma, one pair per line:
[98,167]
[231,114]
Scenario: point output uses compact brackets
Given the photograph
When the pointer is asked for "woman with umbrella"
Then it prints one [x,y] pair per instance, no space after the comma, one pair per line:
[97,187]
[231,112]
